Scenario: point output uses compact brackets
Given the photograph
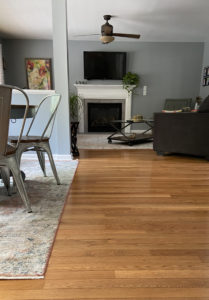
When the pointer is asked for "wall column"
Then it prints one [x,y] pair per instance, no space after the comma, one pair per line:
[61,74]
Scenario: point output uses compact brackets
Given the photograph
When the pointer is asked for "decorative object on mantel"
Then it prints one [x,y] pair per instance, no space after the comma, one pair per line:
[38,73]
[130,81]
[27,239]
[76,105]
[81,82]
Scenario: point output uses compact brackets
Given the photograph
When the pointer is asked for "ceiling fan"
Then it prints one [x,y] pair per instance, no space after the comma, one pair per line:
[107,34]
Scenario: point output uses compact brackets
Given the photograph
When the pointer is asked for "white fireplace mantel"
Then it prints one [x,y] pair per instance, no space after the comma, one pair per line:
[103,91]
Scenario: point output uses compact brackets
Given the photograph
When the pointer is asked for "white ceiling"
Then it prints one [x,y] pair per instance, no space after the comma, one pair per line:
[155,20]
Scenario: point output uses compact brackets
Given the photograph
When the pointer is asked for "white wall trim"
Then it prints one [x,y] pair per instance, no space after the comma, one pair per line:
[36,92]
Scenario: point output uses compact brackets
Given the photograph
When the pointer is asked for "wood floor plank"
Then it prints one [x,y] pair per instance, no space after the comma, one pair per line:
[162,274]
[106,293]
[127,283]
[135,226]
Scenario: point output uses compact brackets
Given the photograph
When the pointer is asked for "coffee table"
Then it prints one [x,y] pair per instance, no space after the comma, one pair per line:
[131,138]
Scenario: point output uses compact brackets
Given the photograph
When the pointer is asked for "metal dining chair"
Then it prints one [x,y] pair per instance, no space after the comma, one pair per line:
[8,152]
[39,133]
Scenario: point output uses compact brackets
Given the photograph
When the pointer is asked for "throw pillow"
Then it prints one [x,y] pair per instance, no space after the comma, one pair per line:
[172,111]
[186,109]
[204,106]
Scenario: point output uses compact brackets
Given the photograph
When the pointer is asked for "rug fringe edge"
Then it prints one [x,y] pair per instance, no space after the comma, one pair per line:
[21,277]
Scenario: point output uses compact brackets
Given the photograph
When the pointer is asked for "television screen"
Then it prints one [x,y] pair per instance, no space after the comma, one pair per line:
[104,65]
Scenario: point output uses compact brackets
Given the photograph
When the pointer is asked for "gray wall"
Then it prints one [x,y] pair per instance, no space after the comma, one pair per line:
[170,70]
[15,52]
[204,90]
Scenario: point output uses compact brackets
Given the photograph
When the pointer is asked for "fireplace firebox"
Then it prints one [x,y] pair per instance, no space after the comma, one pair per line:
[101,114]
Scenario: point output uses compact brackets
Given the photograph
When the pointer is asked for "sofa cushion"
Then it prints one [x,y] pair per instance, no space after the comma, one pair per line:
[176,104]
[204,106]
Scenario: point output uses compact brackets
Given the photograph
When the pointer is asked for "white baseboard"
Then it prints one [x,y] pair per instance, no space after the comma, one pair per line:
[29,156]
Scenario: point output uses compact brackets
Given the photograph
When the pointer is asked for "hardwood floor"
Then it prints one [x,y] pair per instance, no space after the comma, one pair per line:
[136,226]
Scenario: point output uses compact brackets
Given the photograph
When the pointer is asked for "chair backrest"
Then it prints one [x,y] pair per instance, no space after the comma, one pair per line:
[175,104]
[43,120]
[5,108]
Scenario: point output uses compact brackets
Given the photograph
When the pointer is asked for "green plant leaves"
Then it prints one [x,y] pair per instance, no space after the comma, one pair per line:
[75,106]
[130,79]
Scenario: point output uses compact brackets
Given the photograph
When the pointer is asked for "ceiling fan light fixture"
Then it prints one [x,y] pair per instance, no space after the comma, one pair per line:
[106,39]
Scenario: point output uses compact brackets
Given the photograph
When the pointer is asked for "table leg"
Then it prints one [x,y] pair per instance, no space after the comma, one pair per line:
[118,131]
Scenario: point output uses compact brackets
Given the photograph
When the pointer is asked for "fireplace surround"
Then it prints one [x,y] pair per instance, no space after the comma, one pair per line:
[97,93]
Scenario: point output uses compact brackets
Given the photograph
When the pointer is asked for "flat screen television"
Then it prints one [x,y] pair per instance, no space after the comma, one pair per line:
[104,65]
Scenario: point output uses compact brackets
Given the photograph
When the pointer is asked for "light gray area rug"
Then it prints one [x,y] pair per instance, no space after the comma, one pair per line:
[26,239]
[99,141]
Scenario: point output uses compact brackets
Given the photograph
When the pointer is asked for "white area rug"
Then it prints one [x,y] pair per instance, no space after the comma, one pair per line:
[26,239]
[99,141]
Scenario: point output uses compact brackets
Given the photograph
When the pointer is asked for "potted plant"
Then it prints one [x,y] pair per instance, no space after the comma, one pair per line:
[75,107]
[130,81]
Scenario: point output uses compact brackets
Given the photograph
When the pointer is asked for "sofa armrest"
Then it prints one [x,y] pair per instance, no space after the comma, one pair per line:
[181,133]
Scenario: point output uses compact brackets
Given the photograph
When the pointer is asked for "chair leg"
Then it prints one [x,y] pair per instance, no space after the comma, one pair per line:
[14,167]
[47,148]
[41,158]
[5,175]
[19,153]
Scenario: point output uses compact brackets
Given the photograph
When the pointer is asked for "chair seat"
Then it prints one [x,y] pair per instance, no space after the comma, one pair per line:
[28,139]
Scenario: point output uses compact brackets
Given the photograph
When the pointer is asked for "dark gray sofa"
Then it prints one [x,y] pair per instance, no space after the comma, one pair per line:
[184,133]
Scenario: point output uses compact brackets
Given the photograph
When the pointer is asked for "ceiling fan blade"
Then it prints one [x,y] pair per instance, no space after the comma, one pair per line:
[87,34]
[133,36]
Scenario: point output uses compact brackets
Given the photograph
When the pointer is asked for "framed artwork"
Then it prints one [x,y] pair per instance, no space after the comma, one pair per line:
[38,73]
[205,76]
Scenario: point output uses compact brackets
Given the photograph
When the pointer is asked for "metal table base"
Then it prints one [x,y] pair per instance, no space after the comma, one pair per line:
[130,138]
